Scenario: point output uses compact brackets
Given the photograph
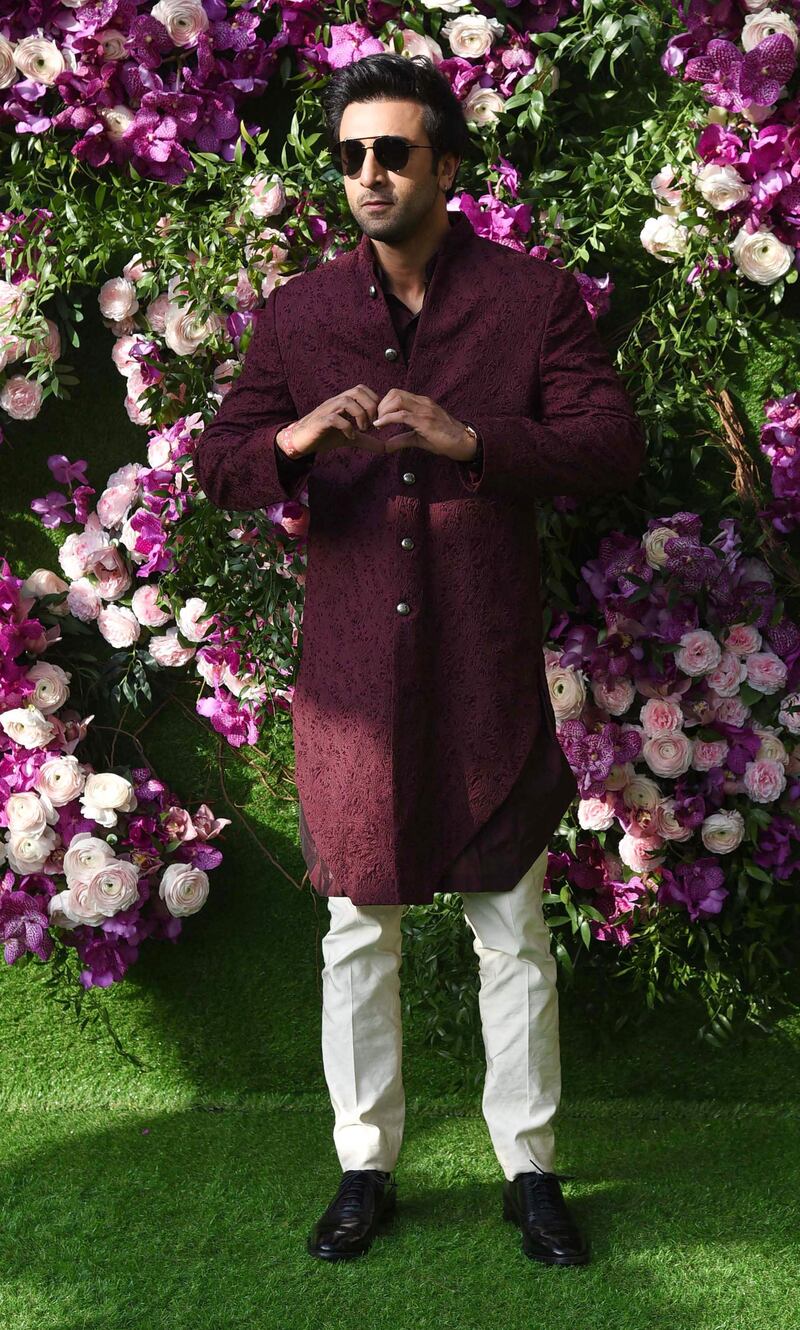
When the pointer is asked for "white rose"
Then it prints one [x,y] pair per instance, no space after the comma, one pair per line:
[471,35]
[664,238]
[86,853]
[27,727]
[114,887]
[184,20]
[60,779]
[25,814]
[761,256]
[183,889]
[722,186]
[51,686]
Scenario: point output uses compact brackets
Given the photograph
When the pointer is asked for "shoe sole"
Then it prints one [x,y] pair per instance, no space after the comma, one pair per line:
[383,1220]
[534,1256]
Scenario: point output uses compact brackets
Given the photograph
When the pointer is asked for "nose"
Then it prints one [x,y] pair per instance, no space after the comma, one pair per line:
[371,168]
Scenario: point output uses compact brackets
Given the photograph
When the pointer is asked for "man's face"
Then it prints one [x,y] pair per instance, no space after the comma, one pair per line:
[409,193]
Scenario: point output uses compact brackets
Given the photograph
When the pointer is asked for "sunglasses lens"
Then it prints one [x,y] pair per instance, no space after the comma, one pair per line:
[390,150]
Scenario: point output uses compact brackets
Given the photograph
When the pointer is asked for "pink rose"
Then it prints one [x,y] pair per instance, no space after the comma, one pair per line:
[789,713]
[595,814]
[21,398]
[157,312]
[83,600]
[699,652]
[43,582]
[709,753]
[641,852]
[614,695]
[660,715]
[122,488]
[117,299]
[166,649]
[191,621]
[742,638]
[111,573]
[731,711]
[76,553]
[668,754]
[118,625]
[764,780]
[766,672]
[727,676]
[145,606]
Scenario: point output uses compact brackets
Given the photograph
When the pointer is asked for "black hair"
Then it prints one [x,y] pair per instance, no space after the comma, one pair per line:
[388,76]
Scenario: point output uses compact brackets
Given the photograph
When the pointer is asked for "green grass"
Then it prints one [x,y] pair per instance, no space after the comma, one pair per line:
[180,1192]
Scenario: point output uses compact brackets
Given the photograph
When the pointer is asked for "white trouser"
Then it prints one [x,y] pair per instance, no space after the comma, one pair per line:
[362,1031]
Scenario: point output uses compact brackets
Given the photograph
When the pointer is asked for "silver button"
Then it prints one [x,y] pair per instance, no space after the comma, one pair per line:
[403,608]
[390,353]
[409,477]
[407,543]
[373,290]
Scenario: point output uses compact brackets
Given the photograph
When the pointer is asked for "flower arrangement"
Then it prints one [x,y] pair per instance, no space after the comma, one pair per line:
[95,861]
[681,721]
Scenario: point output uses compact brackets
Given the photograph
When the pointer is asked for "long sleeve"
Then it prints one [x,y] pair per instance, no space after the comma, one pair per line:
[588,439]
[238,463]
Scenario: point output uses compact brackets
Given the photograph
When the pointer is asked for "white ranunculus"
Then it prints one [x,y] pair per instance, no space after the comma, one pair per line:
[8,70]
[28,853]
[471,35]
[27,727]
[183,889]
[184,20]
[723,831]
[721,186]
[567,691]
[51,686]
[767,23]
[664,237]
[25,814]
[61,779]
[39,60]
[113,43]
[761,256]
[104,795]
[483,105]
[86,853]
[112,888]
[117,120]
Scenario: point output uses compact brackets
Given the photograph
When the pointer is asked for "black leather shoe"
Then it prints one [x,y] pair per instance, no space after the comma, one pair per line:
[366,1199]
[534,1202]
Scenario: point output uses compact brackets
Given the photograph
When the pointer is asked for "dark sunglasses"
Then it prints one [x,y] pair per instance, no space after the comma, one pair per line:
[391,151]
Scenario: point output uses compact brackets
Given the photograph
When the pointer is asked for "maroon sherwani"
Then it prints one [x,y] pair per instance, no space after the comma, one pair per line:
[426,753]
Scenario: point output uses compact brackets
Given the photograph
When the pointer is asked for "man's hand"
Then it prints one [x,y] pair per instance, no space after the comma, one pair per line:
[430,426]
[335,422]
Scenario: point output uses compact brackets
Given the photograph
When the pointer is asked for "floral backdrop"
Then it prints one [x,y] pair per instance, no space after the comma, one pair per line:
[170,160]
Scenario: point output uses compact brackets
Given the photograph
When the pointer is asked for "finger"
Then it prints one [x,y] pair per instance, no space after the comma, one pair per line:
[411,439]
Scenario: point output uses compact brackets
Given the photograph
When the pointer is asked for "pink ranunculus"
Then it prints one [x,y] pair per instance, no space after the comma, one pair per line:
[743,638]
[21,398]
[117,299]
[119,625]
[709,753]
[114,887]
[595,814]
[167,651]
[614,695]
[641,852]
[111,572]
[764,780]
[766,672]
[726,677]
[660,715]
[666,824]
[699,652]
[668,754]
[83,600]
[144,603]
[731,711]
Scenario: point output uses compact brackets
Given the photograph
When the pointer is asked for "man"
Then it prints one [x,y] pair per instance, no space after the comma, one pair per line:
[429,387]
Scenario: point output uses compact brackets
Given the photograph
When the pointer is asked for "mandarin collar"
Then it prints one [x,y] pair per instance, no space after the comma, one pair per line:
[460,231]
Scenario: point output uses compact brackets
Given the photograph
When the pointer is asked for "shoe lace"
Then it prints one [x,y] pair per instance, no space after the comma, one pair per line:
[544,1194]
[352,1188]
